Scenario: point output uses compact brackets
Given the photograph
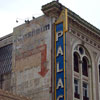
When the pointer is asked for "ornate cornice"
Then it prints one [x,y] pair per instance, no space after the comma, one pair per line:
[55,8]
[83,22]
[52,9]
[76,25]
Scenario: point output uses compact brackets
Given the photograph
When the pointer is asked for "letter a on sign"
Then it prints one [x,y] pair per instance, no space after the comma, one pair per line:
[59,51]
[60,84]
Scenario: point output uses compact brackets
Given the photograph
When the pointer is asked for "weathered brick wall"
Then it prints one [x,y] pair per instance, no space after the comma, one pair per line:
[4,95]
[6,82]
[32,59]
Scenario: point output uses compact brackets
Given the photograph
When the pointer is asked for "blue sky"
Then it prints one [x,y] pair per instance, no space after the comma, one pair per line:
[10,10]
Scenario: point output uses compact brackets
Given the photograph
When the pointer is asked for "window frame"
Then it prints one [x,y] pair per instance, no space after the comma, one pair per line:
[76,94]
[85,91]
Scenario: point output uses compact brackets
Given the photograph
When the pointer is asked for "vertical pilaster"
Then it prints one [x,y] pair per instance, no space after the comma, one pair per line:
[90,82]
[81,83]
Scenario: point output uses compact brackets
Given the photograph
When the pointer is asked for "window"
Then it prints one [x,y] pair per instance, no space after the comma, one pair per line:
[85,67]
[76,62]
[81,50]
[81,60]
[76,89]
[85,91]
[99,72]
[1,81]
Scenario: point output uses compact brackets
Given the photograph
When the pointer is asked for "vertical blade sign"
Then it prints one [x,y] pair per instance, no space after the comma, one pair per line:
[61,27]
[59,62]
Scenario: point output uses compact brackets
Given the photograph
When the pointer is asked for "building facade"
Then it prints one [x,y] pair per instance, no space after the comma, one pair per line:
[53,57]
[5,95]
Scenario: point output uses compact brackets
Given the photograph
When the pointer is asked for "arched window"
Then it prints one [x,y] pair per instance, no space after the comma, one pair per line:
[81,62]
[85,67]
[76,62]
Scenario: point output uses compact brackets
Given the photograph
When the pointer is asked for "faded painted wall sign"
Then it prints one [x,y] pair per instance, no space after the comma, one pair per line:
[39,53]
[33,33]
[44,70]
[32,58]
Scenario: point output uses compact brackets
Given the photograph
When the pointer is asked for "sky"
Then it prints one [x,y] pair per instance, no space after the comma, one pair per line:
[21,10]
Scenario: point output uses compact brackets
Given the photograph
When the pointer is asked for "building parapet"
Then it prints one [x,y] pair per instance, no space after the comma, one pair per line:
[56,7]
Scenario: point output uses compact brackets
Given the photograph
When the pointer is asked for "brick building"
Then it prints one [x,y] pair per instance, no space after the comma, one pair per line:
[5,95]
[54,56]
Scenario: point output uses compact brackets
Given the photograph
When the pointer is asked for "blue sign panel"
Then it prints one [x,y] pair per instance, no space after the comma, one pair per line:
[59,91]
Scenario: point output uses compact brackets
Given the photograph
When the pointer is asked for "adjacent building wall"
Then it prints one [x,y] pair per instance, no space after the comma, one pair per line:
[4,95]
[32,59]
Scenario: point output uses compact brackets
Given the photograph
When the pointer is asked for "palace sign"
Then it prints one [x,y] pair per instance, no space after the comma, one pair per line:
[59,62]
[60,52]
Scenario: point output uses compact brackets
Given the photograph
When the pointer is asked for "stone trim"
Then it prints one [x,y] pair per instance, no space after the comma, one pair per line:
[72,15]
[83,22]
[84,38]
[84,29]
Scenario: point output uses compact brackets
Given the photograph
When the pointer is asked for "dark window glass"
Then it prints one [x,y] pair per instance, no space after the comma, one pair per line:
[85,67]
[5,59]
[99,73]
[81,50]
[85,91]
[76,89]
[1,81]
[76,62]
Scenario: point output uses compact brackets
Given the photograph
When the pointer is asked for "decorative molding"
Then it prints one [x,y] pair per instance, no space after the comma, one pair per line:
[84,24]
[84,38]
[81,28]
